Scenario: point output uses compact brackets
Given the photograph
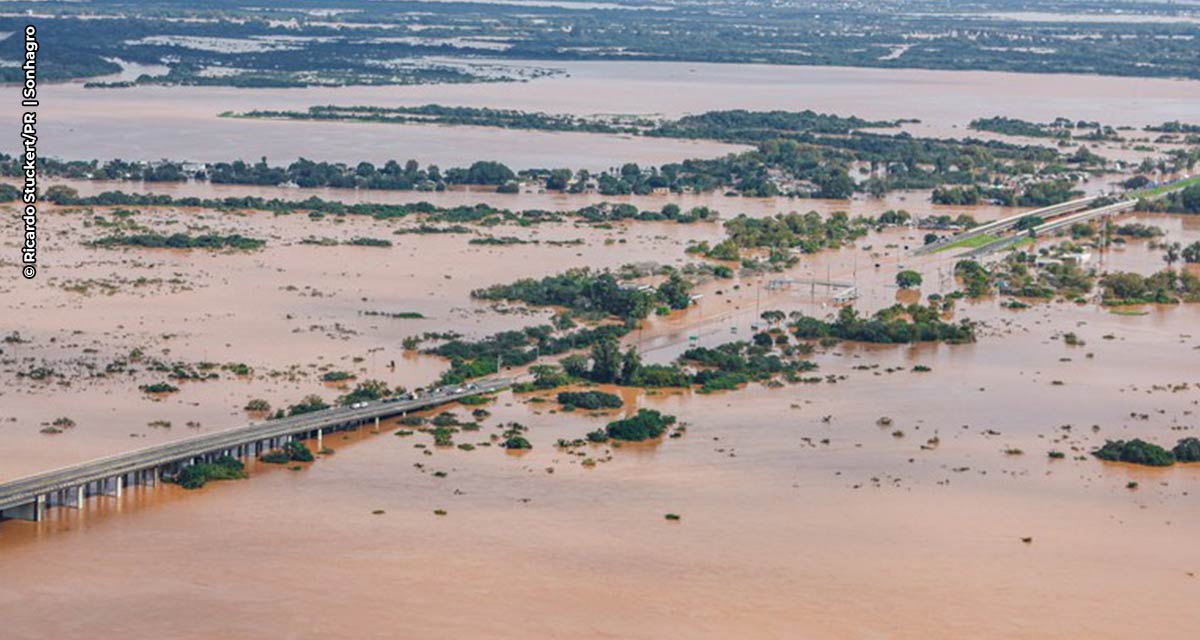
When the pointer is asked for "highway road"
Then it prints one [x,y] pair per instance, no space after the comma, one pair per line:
[1053,225]
[1006,223]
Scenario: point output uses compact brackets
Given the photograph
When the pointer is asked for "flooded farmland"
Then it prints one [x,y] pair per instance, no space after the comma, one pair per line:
[906,492]
[152,123]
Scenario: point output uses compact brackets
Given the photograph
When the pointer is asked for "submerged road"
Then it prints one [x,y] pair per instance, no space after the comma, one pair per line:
[26,498]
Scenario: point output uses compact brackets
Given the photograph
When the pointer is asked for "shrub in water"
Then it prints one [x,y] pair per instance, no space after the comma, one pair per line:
[517,442]
[590,400]
[1135,452]
[647,424]
[223,468]
[1188,450]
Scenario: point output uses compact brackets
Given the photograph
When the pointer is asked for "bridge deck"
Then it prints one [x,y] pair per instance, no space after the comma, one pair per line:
[1006,223]
[1053,225]
[23,491]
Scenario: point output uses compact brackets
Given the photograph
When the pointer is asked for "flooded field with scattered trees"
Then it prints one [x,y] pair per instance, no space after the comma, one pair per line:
[741,409]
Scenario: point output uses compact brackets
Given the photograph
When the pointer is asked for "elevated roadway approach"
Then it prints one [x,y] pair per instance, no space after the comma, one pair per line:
[1005,224]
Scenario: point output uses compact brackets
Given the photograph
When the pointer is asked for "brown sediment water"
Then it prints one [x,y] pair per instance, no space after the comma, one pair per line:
[150,123]
[801,515]
[791,523]
[728,206]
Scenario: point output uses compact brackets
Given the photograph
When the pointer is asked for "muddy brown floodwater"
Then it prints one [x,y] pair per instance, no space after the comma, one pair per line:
[800,516]
[151,123]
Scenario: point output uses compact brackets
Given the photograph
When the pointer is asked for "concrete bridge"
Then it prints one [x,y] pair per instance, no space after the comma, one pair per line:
[27,498]
[1006,223]
[1113,209]
[1045,228]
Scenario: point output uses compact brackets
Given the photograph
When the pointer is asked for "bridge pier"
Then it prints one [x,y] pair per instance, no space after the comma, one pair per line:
[33,511]
[75,497]
[118,486]
[142,477]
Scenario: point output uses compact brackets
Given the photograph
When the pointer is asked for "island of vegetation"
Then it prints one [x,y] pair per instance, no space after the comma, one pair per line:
[647,424]
[197,475]
[1061,128]
[180,241]
[591,400]
[481,214]
[615,309]
[1137,451]
[738,126]
[800,154]
[281,44]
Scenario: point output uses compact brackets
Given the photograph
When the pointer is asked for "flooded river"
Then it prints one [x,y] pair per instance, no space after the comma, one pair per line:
[151,123]
[801,512]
